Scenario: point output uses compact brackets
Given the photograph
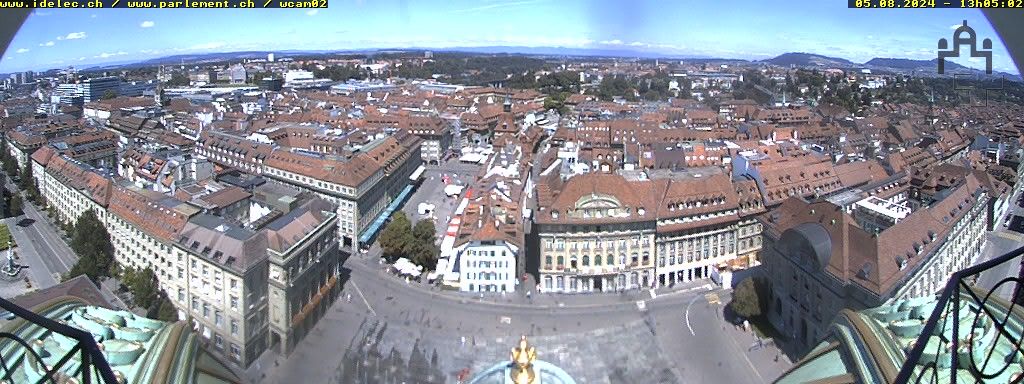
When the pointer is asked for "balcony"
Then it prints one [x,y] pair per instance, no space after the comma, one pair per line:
[974,332]
[83,363]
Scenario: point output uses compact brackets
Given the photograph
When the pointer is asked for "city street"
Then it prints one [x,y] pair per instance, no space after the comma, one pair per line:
[41,247]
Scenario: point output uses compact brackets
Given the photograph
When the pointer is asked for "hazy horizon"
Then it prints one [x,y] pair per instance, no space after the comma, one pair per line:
[749,30]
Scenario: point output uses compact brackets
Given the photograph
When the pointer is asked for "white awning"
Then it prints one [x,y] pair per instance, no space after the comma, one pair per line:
[453,189]
[417,173]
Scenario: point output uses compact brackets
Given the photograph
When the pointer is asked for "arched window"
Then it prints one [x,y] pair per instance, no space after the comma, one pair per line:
[586,261]
[561,261]
[547,261]
[609,260]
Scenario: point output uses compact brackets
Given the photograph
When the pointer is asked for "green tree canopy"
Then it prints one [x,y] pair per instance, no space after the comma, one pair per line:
[750,298]
[422,250]
[425,230]
[28,182]
[167,312]
[15,206]
[143,286]
[91,242]
[178,79]
[397,235]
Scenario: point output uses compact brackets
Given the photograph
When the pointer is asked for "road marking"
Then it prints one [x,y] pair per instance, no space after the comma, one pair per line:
[360,292]
[506,320]
[687,315]
[712,298]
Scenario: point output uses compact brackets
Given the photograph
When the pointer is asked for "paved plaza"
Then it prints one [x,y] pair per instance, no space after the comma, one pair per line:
[393,332]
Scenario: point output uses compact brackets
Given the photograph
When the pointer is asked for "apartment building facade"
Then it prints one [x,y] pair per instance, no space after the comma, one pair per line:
[820,260]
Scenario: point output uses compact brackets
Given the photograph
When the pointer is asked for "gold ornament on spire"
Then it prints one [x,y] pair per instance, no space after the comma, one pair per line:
[522,357]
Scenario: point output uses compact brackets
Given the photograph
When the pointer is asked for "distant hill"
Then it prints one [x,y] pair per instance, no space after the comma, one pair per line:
[928,67]
[801,59]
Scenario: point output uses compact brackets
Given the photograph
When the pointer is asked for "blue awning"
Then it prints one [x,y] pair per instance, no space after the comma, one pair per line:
[378,223]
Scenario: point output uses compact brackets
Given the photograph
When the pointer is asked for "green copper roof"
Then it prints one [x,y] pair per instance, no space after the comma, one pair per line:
[139,349]
[872,345]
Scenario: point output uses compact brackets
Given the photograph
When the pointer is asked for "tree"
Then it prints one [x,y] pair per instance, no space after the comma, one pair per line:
[750,298]
[422,250]
[91,242]
[15,206]
[178,79]
[424,254]
[27,182]
[109,94]
[396,236]
[9,163]
[425,230]
[167,312]
[144,289]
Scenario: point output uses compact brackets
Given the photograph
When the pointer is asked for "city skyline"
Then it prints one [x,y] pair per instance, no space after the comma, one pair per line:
[55,38]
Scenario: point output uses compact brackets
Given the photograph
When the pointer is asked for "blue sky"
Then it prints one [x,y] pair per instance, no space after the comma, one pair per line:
[745,29]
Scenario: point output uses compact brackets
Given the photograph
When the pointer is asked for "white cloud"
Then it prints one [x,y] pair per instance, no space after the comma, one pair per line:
[612,42]
[46,44]
[105,55]
[92,16]
[312,12]
[81,58]
[637,44]
[72,36]
[210,45]
[147,24]
[22,50]
[955,26]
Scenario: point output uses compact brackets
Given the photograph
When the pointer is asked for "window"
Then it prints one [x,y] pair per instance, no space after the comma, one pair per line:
[609,260]
[561,261]
[195,304]
[234,327]
[219,341]
[234,303]
[206,310]
[181,294]
[218,319]
[586,261]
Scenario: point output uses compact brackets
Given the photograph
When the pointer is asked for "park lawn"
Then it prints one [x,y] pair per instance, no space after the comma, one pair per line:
[5,236]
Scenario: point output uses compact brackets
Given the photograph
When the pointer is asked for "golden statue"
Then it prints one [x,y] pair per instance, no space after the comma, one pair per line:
[523,357]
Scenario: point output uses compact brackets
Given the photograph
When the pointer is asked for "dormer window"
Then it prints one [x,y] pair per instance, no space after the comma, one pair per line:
[641,211]
[554,215]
